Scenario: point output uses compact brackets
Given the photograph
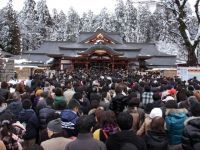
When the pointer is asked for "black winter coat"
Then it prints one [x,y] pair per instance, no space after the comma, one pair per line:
[156,140]
[191,134]
[29,118]
[46,115]
[118,103]
[116,141]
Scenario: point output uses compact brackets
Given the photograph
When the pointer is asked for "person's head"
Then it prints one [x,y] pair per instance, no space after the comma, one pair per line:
[99,114]
[2,100]
[4,85]
[27,104]
[60,106]
[125,121]
[133,102]
[54,127]
[68,84]
[74,105]
[39,92]
[16,96]
[58,92]
[108,118]
[155,112]
[118,89]
[85,123]
[157,124]
[171,104]
[77,96]
[195,110]
[147,88]
[156,96]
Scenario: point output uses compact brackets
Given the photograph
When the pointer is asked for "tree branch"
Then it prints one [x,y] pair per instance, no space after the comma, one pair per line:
[197,10]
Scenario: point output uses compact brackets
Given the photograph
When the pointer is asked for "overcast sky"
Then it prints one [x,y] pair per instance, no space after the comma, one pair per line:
[79,5]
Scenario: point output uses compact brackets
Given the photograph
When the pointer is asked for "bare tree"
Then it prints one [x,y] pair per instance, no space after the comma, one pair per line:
[178,7]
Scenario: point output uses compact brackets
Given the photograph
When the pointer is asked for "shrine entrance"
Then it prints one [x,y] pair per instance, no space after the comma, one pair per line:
[100,57]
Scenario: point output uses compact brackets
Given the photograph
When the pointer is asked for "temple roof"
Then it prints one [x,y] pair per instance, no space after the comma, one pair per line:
[101,48]
[118,48]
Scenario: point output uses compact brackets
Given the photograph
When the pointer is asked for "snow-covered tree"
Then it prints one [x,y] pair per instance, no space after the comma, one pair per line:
[130,19]
[10,39]
[28,25]
[73,21]
[181,13]
[87,22]
[44,21]
[59,27]
[120,15]
[143,30]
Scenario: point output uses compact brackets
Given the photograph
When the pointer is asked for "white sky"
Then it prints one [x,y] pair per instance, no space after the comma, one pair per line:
[79,5]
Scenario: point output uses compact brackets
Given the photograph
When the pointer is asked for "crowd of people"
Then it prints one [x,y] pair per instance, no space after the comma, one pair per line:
[99,110]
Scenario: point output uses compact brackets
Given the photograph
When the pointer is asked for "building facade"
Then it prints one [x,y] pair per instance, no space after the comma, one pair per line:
[101,50]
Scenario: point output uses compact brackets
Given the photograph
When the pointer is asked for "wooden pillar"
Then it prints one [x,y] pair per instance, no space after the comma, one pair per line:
[86,66]
[113,64]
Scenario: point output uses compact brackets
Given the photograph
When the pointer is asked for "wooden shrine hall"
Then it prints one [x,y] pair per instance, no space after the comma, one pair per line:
[100,50]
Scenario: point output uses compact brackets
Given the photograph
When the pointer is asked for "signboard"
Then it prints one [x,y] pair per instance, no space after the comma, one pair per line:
[186,73]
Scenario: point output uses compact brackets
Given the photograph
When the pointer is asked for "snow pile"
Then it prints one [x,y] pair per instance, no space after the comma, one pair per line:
[20,61]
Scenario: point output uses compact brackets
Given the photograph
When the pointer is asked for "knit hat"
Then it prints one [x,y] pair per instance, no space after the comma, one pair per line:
[55,125]
[172,91]
[156,112]
[68,119]
[171,104]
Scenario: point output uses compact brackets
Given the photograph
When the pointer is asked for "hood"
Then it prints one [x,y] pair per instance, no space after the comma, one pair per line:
[194,121]
[157,136]
[26,114]
[3,107]
[174,111]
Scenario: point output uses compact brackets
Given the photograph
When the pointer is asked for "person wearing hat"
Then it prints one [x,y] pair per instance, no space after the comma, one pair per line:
[174,123]
[155,112]
[55,133]
[191,134]
[85,140]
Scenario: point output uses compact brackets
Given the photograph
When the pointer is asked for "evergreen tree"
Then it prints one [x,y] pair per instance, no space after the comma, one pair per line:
[11,39]
[28,25]
[120,16]
[73,21]
[87,22]
[143,31]
[44,21]
[130,21]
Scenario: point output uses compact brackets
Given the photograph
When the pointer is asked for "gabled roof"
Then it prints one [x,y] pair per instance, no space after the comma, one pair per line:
[113,36]
[97,47]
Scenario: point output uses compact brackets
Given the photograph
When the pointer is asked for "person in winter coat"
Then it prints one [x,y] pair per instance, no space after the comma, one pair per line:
[45,115]
[156,137]
[118,102]
[191,134]
[8,136]
[156,112]
[107,126]
[84,102]
[126,135]
[29,119]
[84,139]
[16,105]
[69,117]
[4,92]
[57,140]
[136,112]
[174,123]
